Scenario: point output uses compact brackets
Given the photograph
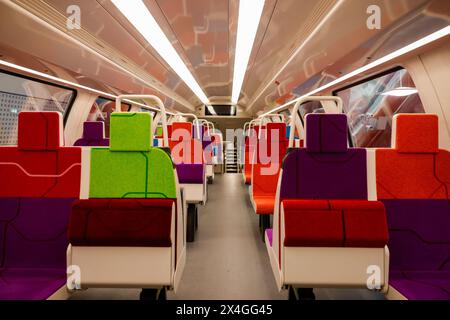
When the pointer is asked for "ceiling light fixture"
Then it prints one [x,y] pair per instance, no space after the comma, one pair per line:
[248,21]
[398,53]
[140,17]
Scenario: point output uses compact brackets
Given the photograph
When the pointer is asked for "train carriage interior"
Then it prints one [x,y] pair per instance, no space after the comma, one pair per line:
[224,150]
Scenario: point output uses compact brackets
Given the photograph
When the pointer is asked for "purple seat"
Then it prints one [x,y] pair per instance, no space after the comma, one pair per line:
[93,135]
[35,242]
[191,173]
[422,285]
[326,168]
[420,252]
[323,202]
[30,284]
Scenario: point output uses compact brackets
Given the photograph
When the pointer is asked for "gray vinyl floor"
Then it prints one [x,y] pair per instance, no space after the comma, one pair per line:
[228,259]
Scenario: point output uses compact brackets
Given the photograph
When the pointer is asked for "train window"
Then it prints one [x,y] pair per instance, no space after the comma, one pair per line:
[287,115]
[370,106]
[310,107]
[19,93]
[101,111]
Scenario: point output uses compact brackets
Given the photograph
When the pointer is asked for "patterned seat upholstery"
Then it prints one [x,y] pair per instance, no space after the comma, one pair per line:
[40,181]
[413,182]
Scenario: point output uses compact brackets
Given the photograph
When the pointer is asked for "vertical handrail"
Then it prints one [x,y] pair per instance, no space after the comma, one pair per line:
[193,122]
[252,122]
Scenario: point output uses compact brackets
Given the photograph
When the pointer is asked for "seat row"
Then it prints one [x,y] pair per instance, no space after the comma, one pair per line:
[115,215]
[371,218]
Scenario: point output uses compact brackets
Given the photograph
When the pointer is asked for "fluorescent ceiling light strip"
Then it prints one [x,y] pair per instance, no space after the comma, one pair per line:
[140,17]
[94,52]
[71,84]
[411,47]
[248,21]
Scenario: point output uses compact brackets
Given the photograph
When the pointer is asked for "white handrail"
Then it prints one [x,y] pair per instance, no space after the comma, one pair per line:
[160,105]
[301,101]
[200,122]
[245,125]
[212,126]
[208,124]
[252,122]
[262,117]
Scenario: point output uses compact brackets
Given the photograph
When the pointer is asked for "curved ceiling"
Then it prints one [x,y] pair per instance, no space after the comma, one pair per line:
[299,44]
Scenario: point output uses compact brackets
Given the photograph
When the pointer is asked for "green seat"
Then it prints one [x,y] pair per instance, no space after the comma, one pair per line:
[131,168]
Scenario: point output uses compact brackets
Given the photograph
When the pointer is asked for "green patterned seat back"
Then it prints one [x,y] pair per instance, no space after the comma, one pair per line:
[131,168]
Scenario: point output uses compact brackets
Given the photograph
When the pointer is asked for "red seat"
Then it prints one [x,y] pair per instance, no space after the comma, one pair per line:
[112,222]
[38,166]
[185,149]
[265,176]
[264,204]
[335,223]
[310,223]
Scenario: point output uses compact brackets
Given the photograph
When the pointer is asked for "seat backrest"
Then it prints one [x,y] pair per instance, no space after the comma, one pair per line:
[40,179]
[130,167]
[326,168]
[250,149]
[272,146]
[276,139]
[413,182]
[217,146]
[40,166]
[185,149]
[93,135]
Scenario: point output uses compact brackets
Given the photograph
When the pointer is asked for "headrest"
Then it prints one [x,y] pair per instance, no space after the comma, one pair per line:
[40,131]
[130,131]
[326,133]
[272,129]
[415,133]
[185,126]
[94,130]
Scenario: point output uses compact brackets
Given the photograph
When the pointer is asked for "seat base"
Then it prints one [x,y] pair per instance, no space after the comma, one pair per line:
[122,267]
[417,285]
[313,267]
